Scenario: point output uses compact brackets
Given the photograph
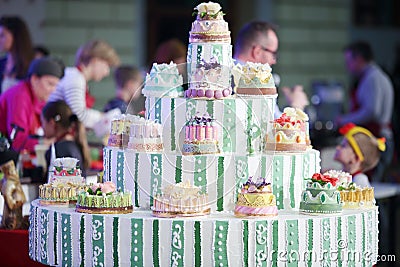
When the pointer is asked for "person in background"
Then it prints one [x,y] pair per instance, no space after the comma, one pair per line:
[128,81]
[359,152]
[22,104]
[93,62]
[41,51]
[371,100]
[15,41]
[172,50]
[258,42]
[61,124]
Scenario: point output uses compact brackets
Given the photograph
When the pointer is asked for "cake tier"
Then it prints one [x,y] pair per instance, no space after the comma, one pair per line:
[358,198]
[286,140]
[209,69]
[105,204]
[321,199]
[51,194]
[219,175]
[210,30]
[256,91]
[256,204]
[163,91]
[236,116]
[200,147]
[62,237]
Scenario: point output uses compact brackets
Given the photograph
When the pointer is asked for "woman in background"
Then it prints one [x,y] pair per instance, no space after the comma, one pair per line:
[60,123]
[15,41]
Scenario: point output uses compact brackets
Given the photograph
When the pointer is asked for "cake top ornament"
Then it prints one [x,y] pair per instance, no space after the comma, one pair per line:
[208,10]
[256,186]
[323,179]
[209,25]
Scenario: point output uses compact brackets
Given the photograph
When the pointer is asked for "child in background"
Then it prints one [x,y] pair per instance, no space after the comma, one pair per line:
[359,152]
[128,81]
[60,123]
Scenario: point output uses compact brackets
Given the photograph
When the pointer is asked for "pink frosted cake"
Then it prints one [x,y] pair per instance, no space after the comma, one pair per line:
[201,136]
[145,135]
[256,199]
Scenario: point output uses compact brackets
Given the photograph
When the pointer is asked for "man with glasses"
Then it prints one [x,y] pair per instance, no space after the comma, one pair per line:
[257,42]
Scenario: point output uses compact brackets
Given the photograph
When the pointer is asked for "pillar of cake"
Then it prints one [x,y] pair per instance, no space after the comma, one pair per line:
[201,136]
[163,80]
[181,200]
[255,79]
[64,185]
[352,195]
[145,135]
[321,196]
[209,57]
[289,132]
[103,198]
[256,199]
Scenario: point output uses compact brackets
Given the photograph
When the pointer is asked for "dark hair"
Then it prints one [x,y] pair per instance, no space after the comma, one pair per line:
[125,73]
[170,50]
[42,50]
[21,48]
[47,66]
[250,33]
[61,113]
[361,49]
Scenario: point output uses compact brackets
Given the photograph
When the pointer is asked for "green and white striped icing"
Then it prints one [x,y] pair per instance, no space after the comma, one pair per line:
[230,113]
[220,239]
[219,175]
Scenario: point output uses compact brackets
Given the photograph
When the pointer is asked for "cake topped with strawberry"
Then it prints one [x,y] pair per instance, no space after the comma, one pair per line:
[289,132]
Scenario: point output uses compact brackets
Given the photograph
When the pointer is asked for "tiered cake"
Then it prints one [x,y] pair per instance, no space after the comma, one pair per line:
[64,185]
[66,238]
[209,57]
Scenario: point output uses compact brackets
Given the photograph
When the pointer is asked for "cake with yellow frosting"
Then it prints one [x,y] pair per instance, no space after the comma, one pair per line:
[256,199]
[181,200]
[255,79]
[64,185]
[352,195]
[289,132]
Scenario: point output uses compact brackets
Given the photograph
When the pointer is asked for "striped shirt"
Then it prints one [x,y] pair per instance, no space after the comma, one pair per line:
[72,89]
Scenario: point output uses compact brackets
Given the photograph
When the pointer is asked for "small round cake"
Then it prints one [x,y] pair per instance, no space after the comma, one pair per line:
[181,200]
[201,136]
[209,25]
[104,199]
[164,80]
[255,79]
[352,196]
[256,199]
[289,132]
[145,136]
[321,196]
[65,183]
[119,133]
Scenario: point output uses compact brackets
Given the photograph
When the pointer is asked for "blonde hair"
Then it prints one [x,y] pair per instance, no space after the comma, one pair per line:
[96,49]
[369,148]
